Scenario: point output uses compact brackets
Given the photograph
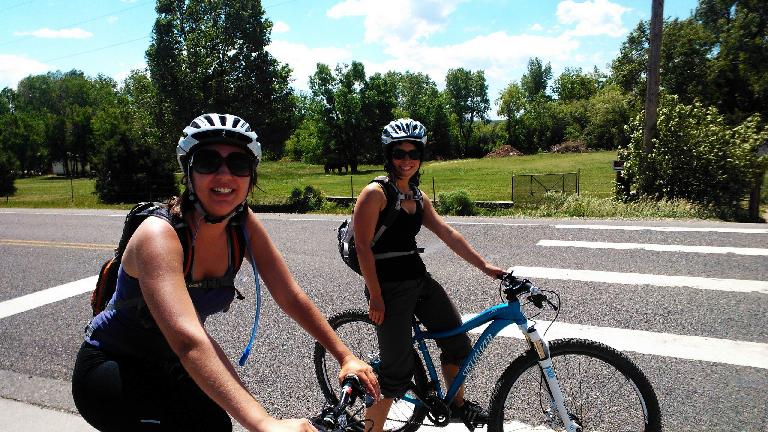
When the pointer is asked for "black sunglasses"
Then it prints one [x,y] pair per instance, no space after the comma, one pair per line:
[400,154]
[208,161]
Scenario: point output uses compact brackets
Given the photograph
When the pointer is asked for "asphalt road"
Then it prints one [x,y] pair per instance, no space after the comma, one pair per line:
[41,249]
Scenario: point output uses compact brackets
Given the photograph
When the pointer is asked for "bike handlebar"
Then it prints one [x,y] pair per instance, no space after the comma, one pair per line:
[516,289]
[337,418]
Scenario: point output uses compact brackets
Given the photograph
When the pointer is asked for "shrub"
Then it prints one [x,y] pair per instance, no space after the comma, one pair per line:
[456,203]
[7,174]
[309,199]
[696,156]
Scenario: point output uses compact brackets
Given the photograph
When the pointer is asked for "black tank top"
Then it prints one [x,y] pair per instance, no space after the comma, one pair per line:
[399,237]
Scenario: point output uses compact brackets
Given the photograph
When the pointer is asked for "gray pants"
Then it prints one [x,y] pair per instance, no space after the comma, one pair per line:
[426,299]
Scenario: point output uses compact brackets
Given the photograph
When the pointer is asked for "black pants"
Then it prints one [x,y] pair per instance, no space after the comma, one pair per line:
[427,300]
[128,394]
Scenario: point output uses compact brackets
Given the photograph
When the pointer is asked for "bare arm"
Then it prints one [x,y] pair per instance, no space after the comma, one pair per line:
[295,302]
[456,241]
[154,255]
[370,203]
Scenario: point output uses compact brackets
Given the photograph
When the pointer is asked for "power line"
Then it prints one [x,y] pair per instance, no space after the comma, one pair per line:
[77,23]
[96,49]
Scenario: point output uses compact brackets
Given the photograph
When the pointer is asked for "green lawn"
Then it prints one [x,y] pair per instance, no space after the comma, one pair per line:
[485,179]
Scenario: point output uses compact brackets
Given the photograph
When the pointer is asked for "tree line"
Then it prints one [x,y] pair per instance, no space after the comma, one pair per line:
[210,56]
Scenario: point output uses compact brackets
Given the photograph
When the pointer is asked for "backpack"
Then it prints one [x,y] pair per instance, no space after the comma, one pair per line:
[107,280]
[345,234]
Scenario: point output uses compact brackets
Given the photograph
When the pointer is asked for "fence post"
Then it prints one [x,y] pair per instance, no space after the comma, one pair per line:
[512,196]
[351,189]
[578,180]
[434,197]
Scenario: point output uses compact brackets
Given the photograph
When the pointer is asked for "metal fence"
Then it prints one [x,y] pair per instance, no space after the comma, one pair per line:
[531,188]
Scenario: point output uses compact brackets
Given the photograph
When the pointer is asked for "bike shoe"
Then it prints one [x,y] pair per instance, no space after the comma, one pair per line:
[471,414]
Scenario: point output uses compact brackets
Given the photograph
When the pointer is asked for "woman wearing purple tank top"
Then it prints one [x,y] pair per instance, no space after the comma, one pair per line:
[183,380]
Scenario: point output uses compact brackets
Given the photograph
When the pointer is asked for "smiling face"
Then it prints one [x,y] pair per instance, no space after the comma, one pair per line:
[405,167]
[220,191]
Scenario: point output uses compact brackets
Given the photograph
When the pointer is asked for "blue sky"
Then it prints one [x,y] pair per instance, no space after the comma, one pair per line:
[431,36]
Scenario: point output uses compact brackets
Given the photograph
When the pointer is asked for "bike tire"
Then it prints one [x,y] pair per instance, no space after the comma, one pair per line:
[358,332]
[604,391]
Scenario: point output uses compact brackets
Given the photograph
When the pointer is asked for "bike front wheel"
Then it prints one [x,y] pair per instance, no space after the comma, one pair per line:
[358,332]
[603,389]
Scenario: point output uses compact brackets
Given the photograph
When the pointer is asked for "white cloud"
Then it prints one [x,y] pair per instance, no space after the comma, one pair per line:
[397,20]
[13,68]
[46,33]
[112,19]
[122,75]
[536,27]
[592,18]
[280,27]
[303,59]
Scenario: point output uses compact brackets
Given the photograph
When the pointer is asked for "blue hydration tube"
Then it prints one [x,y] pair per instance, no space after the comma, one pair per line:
[247,349]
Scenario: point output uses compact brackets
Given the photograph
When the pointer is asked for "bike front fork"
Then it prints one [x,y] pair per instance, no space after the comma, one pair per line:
[548,372]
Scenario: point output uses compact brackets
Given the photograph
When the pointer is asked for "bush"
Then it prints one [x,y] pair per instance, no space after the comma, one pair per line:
[695,156]
[8,167]
[307,200]
[456,203]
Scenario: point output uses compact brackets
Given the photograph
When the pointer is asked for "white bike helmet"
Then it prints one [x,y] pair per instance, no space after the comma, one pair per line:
[404,129]
[216,128]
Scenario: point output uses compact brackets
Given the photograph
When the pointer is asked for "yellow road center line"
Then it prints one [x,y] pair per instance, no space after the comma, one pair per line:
[39,243]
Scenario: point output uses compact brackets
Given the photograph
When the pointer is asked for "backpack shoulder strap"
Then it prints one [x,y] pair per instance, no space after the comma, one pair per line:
[394,196]
[160,210]
[238,245]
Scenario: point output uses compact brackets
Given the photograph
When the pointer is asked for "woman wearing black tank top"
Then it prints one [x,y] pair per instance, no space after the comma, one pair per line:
[397,282]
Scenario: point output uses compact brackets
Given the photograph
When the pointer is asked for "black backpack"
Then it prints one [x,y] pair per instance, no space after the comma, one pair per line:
[345,234]
[107,281]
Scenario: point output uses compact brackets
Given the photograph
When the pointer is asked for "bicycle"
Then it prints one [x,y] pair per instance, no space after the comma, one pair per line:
[567,384]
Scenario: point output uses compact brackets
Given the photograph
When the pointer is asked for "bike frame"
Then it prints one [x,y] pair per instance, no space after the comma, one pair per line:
[499,316]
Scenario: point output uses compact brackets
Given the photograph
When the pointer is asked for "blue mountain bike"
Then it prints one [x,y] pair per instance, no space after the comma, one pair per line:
[564,385]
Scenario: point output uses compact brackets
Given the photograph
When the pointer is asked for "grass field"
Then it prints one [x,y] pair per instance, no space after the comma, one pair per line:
[484,180]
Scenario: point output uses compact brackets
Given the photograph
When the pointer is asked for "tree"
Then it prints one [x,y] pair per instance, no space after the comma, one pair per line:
[378,102]
[8,167]
[467,94]
[350,108]
[419,99]
[534,82]
[573,85]
[697,156]
[608,114]
[209,56]
[132,165]
[738,71]
[511,106]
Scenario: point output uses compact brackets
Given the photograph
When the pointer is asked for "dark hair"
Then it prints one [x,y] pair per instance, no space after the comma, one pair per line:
[389,167]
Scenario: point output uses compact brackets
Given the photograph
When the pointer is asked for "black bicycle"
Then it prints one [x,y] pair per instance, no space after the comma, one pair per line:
[565,385]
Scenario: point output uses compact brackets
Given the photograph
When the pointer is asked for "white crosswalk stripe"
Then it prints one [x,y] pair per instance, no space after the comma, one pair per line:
[739,353]
[664,228]
[46,296]
[655,247]
[717,284]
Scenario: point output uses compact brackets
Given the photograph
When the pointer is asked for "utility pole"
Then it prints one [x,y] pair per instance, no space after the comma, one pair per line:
[652,89]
